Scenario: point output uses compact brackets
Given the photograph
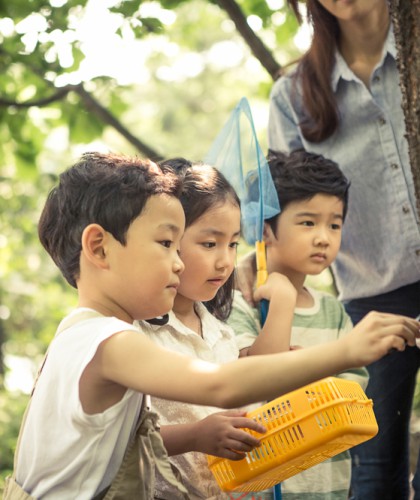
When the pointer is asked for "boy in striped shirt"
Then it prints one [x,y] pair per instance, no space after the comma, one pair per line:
[303,240]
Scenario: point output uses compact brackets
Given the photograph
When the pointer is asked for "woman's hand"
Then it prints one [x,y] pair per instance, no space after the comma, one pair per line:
[246,273]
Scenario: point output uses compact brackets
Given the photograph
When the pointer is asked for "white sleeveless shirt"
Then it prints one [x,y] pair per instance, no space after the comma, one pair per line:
[64,452]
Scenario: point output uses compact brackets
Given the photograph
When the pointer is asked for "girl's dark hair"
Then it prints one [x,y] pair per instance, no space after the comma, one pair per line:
[314,73]
[107,189]
[301,175]
[203,188]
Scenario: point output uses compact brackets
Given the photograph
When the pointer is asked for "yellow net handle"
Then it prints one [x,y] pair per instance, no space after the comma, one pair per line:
[261,263]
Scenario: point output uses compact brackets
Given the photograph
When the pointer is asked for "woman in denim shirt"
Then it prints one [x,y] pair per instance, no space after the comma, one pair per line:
[344,102]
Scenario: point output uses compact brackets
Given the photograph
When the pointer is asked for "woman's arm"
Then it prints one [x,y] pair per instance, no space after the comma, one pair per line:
[246,273]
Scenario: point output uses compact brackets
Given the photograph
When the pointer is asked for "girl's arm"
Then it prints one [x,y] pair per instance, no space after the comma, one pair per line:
[131,360]
[220,434]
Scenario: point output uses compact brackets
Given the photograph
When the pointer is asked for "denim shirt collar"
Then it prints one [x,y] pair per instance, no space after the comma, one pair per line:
[341,69]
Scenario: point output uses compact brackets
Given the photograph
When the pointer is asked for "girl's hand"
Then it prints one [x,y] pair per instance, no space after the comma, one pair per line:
[277,287]
[221,434]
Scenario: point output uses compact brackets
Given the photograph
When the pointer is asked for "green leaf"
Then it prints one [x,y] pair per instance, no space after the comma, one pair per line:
[84,127]
[127,8]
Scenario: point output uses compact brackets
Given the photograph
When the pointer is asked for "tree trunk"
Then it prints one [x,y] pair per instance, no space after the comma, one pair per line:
[406,20]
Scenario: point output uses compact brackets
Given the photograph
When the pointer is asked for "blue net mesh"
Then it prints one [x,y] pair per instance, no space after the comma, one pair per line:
[238,155]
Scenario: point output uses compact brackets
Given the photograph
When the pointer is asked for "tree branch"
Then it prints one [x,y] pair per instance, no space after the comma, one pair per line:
[92,105]
[105,115]
[260,51]
[40,102]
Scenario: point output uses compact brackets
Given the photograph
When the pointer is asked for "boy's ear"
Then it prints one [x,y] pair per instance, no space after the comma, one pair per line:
[94,239]
[268,235]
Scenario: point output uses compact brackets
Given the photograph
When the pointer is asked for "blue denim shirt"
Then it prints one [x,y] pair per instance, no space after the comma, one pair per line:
[380,248]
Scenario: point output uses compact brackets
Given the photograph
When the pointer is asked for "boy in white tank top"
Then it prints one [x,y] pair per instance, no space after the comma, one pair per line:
[113,227]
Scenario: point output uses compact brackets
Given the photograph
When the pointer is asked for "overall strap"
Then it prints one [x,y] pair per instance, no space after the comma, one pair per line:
[144,454]
[153,444]
[129,461]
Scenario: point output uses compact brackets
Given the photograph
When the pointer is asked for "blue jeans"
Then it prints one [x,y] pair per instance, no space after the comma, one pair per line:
[380,467]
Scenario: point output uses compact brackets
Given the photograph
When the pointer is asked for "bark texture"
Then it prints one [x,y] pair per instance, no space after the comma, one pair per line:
[406,19]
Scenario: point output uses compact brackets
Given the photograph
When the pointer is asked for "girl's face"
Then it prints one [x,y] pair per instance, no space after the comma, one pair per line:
[308,236]
[352,10]
[208,250]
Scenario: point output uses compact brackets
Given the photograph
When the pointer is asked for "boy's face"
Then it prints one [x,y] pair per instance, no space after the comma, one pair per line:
[145,272]
[308,236]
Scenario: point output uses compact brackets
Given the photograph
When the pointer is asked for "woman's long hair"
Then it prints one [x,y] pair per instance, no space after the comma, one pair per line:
[314,73]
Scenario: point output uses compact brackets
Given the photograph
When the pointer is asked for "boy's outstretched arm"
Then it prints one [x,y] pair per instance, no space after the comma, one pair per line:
[220,434]
[129,360]
[274,335]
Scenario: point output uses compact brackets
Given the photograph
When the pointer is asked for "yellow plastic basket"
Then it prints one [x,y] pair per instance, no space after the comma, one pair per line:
[304,428]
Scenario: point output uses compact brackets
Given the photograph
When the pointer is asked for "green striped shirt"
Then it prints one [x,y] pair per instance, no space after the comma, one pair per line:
[325,321]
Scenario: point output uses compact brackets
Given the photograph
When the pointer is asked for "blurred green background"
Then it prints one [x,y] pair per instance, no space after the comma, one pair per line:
[157,79]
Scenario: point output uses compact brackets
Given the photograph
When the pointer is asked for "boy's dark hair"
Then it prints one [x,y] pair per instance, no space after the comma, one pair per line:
[301,175]
[107,189]
[203,188]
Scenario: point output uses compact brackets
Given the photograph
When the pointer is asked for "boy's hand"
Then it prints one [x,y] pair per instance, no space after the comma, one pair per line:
[221,434]
[277,287]
[379,333]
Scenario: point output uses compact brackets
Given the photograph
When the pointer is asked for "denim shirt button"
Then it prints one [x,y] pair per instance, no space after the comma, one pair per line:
[382,121]
[405,209]
[394,166]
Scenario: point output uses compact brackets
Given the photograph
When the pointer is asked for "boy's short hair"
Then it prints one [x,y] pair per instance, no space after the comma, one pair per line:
[106,189]
[301,175]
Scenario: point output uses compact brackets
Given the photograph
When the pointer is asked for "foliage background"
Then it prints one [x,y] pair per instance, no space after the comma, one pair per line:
[163,79]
